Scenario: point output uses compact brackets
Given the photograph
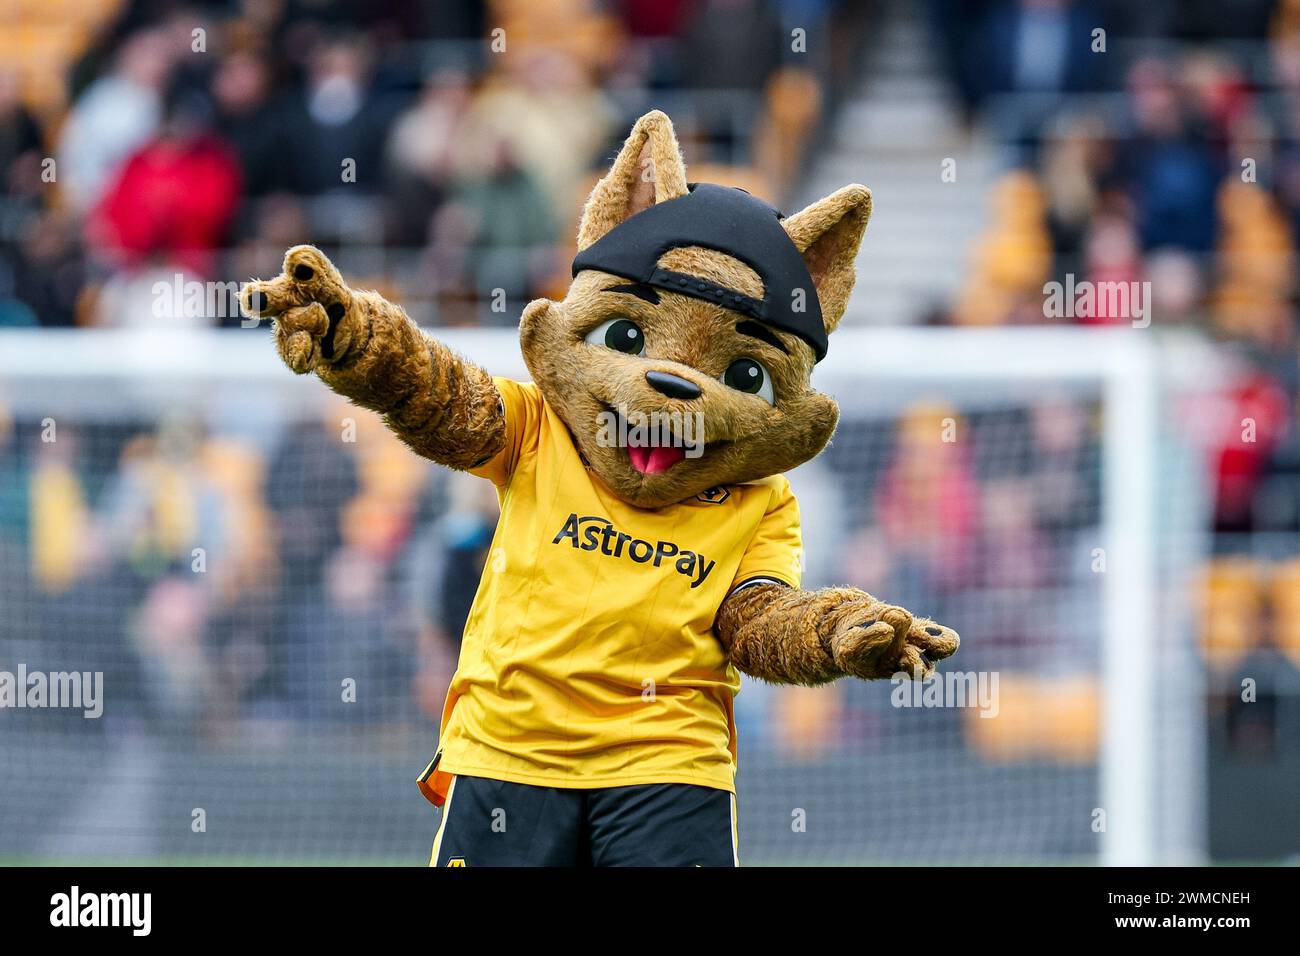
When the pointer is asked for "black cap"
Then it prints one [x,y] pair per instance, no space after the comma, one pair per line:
[727,220]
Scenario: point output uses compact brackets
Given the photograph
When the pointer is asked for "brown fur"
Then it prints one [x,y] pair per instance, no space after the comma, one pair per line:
[788,636]
[442,406]
[448,409]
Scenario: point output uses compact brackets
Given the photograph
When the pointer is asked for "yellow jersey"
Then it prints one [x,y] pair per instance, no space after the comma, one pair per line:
[589,658]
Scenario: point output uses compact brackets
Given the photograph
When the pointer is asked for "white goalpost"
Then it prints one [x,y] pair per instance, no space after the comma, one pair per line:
[1099,603]
[1150,810]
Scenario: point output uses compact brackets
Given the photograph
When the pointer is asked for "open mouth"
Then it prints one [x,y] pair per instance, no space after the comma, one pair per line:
[654,449]
[654,459]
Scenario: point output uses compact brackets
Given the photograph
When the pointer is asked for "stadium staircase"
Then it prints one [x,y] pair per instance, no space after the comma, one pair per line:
[893,134]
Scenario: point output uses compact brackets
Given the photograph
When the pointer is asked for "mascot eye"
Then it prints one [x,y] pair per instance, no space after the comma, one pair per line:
[746,375]
[621,335]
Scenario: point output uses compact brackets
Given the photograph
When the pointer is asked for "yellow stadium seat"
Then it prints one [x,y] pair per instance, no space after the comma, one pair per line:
[807,719]
[1285,592]
[1039,717]
[1232,607]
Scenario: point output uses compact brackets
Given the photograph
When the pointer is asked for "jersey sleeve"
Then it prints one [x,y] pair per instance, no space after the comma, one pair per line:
[775,553]
[522,404]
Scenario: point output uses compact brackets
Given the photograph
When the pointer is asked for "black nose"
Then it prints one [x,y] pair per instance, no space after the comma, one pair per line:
[674,386]
[257,302]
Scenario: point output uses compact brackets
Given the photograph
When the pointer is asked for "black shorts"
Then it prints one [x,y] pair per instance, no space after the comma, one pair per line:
[496,823]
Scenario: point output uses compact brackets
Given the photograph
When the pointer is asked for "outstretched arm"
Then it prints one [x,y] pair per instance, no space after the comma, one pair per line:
[368,350]
[787,635]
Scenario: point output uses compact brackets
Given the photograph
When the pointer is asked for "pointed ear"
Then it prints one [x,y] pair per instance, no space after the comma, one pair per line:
[649,170]
[828,234]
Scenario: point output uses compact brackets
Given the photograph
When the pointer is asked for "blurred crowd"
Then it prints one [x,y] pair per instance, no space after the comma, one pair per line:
[220,577]
[441,150]
[1159,143]
[1152,143]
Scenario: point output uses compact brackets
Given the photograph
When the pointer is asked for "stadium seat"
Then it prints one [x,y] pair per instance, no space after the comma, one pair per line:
[1232,597]
[1057,718]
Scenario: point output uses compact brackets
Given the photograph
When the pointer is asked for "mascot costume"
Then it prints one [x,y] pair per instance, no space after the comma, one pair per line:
[590,719]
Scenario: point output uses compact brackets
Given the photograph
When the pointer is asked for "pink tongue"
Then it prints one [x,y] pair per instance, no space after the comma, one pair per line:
[654,461]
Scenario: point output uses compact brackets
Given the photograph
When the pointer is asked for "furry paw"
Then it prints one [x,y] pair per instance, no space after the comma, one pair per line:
[298,334]
[877,640]
[312,306]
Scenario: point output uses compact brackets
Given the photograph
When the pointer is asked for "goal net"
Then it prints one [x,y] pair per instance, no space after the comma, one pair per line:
[261,593]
